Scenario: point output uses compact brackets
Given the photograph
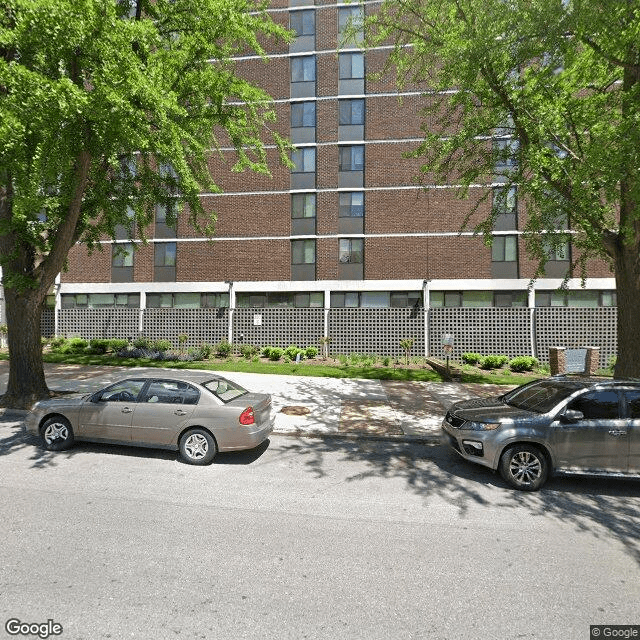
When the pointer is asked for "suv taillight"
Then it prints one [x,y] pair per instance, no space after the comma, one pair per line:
[247,417]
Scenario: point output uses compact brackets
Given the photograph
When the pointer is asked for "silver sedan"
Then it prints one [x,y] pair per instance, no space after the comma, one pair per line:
[197,413]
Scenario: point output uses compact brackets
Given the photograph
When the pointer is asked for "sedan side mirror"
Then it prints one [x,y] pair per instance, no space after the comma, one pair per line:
[571,415]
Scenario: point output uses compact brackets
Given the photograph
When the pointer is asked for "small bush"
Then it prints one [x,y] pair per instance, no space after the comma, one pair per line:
[118,344]
[292,351]
[248,351]
[266,351]
[75,345]
[223,349]
[142,342]
[311,352]
[161,345]
[493,362]
[471,358]
[523,363]
[99,346]
[276,353]
[57,343]
[386,361]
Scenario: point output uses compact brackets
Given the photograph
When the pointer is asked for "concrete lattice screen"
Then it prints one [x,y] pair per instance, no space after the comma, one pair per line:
[509,331]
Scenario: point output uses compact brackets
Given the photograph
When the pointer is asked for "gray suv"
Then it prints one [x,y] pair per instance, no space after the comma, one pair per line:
[556,424]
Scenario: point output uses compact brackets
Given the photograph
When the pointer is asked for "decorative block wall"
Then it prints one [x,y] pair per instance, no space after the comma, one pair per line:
[375,331]
[486,331]
[278,327]
[208,326]
[98,323]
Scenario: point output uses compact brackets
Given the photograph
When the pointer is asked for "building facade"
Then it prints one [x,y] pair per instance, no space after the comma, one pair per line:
[347,244]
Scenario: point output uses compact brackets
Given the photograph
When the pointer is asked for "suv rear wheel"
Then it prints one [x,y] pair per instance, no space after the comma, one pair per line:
[524,467]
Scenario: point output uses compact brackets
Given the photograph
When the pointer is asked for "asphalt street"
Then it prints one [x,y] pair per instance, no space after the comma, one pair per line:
[308,538]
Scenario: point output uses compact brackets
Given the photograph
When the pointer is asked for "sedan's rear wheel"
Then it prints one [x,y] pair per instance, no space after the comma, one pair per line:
[197,446]
[57,434]
[524,467]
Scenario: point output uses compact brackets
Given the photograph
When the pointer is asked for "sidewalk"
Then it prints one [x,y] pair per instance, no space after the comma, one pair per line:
[308,406]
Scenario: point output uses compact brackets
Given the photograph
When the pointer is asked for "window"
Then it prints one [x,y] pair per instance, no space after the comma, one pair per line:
[351,250]
[351,158]
[280,299]
[351,66]
[351,112]
[303,252]
[403,299]
[303,114]
[505,153]
[165,254]
[99,300]
[559,252]
[122,255]
[303,22]
[633,404]
[581,298]
[304,160]
[351,204]
[597,405]
[504,249]
[303,205]
[214,300]
[504,200]
[350,19]
[510,299]
[303,69]
[171,392]
[349,299]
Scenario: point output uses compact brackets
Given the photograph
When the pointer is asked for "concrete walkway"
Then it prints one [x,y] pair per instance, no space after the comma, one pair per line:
[308,406]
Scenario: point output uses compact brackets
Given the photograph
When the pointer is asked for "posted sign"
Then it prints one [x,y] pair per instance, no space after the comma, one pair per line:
[447,343]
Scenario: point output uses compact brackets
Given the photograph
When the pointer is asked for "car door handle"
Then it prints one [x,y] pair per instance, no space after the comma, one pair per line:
[180,412]
[127,410]
[617,432]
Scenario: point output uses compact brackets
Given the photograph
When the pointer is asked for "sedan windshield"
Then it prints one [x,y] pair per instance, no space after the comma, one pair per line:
[225,390]
[540,396]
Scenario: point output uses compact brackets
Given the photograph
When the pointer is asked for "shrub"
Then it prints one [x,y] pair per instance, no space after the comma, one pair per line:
[276,353]
[523,363]
[311,352]
[493,362]
[471,358]
[141,342]
[266,351]
[75,345]
[386,361]
[248,351]
[118,344]
[292,351]
[57,342]
[206,350]
[99,346]
[161,345]
[223,349]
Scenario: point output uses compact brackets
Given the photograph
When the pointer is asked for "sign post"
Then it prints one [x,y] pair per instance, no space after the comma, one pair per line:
[447,348]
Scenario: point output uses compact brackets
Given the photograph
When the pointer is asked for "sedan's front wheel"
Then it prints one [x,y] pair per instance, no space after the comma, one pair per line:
[57,434]
[197,446]
[524,467]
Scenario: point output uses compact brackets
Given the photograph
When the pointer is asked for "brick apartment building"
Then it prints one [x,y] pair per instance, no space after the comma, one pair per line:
[346,244]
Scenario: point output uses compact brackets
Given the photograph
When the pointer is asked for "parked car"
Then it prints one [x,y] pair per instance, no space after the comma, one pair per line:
[556,424]
[196,413]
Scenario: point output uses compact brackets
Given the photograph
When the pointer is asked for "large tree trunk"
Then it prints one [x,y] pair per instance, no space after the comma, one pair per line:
[627,264]
[26,373]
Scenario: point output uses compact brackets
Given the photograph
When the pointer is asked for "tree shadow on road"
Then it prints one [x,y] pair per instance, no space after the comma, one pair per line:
[604,507]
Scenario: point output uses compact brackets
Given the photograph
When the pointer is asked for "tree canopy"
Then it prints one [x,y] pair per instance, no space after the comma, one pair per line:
[106,110]
[541,95]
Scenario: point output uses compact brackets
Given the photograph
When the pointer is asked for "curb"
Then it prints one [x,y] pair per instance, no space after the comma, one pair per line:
[323,435]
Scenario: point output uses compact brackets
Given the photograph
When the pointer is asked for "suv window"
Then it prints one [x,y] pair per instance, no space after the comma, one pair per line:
[597,405]
[633,403]
[540,396]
